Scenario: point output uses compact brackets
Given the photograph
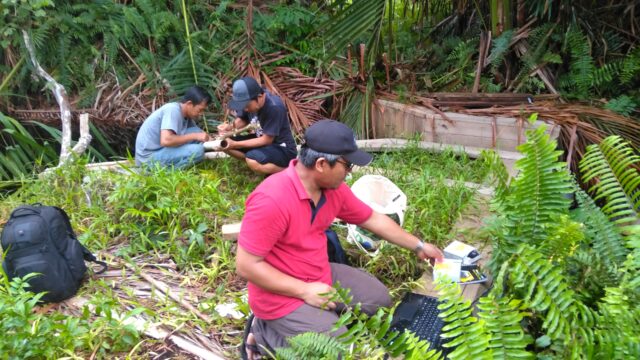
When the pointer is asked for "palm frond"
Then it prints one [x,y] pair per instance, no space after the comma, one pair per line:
[21,153]
[353,21]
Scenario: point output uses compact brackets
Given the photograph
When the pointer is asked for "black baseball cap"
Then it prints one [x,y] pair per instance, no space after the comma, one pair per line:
[334,137]
[244,89]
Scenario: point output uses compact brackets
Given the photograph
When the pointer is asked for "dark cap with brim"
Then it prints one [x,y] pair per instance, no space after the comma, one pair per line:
[333,137]
[244,90]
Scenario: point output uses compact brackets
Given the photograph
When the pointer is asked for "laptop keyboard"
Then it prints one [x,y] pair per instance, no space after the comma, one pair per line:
[427,325]
[419,314]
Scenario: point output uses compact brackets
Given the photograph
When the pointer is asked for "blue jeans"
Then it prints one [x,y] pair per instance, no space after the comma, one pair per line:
[181,156]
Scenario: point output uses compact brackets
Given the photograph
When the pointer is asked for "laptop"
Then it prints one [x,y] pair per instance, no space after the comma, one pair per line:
[419,314]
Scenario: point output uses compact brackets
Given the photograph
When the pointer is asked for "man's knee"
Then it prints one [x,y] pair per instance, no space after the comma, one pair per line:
[195,152]
[258,167]
[253,165]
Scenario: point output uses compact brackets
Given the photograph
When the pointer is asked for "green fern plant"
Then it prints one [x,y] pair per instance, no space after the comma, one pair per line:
[500,48]
[544,290]
[535,198]
[502,318]
[367,337]
[601,234]
[612,166]
[623,105]
[312,346]
[465,332]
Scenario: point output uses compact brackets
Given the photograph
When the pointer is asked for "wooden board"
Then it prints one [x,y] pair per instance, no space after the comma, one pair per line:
[231,231]
[392,119]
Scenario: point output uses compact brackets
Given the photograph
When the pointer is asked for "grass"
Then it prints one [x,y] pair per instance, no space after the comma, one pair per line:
[168,224]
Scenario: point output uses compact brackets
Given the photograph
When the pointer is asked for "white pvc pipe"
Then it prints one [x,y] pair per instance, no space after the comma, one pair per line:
[213,145]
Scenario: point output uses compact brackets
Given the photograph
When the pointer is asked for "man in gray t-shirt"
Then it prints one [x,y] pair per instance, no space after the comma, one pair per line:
[169,135]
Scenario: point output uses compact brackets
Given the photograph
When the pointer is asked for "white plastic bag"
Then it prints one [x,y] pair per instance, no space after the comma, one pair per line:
[384,197]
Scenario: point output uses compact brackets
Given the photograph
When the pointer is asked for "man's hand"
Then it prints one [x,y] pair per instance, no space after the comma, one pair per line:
[429,251]
[201,136]
[312,295]
[224,128]
[231,144]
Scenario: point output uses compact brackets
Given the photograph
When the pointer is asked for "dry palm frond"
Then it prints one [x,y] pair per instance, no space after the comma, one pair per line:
[302,95]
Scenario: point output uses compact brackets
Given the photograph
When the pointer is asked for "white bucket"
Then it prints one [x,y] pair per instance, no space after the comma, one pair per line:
[384,197]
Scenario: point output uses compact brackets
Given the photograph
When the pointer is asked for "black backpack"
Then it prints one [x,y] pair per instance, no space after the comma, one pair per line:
[39,239]
[334,248]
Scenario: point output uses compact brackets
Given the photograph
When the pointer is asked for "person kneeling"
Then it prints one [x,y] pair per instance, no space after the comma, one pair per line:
[170,137]
[272,146]
[282,248]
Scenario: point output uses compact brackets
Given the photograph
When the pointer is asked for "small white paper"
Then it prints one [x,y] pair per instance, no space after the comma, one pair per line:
[229,309]
[458,249]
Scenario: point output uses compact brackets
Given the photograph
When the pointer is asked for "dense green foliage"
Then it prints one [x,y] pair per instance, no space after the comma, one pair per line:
[177,215]
[30,334]
[565,286]
[434,44]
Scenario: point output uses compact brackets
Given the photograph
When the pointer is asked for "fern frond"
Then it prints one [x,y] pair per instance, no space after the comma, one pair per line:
[612,163]
[537,196]
[606,73]
[582,67]
[465,332]
[543,289]
[502,317]
[311,345]
[630,67]
[601,234]
[500,48]
[590,274]
[564,238]
[618,323]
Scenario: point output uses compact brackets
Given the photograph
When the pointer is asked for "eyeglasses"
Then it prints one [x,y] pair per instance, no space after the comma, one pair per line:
[347,165]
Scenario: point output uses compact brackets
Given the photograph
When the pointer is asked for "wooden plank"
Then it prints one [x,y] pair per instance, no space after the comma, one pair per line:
[231,231]
[401,116]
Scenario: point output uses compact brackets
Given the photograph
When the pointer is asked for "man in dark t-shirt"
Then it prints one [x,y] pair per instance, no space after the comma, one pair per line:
[271,147]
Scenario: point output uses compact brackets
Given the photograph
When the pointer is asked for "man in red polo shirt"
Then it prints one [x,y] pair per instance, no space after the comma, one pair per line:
[282,248]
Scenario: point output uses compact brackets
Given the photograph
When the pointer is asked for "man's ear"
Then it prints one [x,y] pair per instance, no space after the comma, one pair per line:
[319,165]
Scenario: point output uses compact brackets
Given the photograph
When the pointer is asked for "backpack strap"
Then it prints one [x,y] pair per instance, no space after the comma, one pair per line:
[67,221]
[86,254]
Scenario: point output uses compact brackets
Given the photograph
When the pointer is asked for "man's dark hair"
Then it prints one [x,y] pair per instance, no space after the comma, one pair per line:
[196,95]
[308,157]
[260,93]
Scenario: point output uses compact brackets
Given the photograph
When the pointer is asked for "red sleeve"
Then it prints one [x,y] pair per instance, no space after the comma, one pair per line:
[353,210]
[263,225]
